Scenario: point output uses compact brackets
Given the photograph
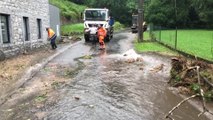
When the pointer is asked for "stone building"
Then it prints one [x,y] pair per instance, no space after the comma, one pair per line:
[22,25]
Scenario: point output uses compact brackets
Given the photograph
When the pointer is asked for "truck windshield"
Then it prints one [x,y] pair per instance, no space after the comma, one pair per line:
[96,15]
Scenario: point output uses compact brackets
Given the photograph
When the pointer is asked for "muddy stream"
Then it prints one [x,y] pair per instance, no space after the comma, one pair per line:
[109,87]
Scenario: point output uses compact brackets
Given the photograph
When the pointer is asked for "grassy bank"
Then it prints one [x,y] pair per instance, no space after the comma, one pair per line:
[118,26]
[79,27]
[69,10]
[72,28]
[195,42]
[151,46]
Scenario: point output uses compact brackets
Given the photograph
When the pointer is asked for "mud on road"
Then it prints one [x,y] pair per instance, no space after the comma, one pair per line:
[116,84]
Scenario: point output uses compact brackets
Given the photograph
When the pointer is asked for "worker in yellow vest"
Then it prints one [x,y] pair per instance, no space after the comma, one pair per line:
[52,37]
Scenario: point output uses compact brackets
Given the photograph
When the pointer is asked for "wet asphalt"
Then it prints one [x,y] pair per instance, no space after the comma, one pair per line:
[109,87]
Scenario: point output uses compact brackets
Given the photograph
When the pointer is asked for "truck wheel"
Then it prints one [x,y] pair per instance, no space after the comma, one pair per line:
[86,37]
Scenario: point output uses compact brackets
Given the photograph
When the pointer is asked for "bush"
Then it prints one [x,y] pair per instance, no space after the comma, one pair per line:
[118,26]
[72,28]
[69,10]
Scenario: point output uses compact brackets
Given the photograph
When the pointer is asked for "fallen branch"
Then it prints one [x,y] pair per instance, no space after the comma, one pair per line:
[201,93]
[186,71]
[181,84]
[207,81]
[174,108]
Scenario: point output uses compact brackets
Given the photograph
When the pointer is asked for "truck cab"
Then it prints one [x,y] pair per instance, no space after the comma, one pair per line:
[134,26]
[93,17]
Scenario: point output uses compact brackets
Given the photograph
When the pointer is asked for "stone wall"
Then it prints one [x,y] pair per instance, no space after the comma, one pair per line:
[17,9]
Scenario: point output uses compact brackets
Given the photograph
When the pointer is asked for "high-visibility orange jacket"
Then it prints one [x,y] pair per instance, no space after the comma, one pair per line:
[102,32]
[51,33]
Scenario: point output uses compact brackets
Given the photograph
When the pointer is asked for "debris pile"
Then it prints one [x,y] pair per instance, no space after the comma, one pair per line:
[185,77]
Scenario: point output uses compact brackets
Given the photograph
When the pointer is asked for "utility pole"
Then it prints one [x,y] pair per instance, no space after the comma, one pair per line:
[140,20]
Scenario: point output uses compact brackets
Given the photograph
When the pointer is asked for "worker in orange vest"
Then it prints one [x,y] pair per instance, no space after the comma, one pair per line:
[52,37]
[101,35]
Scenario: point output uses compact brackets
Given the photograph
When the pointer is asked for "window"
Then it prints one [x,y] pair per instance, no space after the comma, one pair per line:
[26,28]
[4,28]
[95,15]
[39,28]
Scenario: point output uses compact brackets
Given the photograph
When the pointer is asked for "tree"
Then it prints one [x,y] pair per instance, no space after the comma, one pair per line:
[205,11]
[191,13]
[121,9]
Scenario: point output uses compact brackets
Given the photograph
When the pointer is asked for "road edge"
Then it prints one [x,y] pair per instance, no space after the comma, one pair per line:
[195,103]
[32,71]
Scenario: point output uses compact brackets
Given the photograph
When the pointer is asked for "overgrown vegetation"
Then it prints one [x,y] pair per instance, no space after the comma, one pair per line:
[190,13]
[79,27]
[184,76]
[118,26]
[121,10]
[70,12]
[72,28]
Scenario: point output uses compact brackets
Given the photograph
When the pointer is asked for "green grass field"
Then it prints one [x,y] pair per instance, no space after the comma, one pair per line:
[195,42]
[67,29]
[79,27]
[150,47]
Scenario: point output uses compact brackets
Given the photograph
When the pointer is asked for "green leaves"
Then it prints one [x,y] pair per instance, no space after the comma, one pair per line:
[195,87]
[189,13]
[69,10]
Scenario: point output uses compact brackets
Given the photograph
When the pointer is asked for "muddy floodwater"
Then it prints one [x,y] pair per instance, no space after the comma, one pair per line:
[110,88]
[113,85]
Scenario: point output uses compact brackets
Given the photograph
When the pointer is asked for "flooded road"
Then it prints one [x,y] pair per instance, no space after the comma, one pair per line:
[111,85]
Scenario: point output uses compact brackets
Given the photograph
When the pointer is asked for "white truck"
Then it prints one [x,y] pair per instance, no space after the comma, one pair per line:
[134,26]
[93,17]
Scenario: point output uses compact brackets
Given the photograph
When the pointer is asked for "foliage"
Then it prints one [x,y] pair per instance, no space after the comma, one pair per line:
[77,1]
[205,11]
[79,27]
[195,87]
[208,95]
[121,10]
[118,26]
[190,13]
[70,11]
[67,29]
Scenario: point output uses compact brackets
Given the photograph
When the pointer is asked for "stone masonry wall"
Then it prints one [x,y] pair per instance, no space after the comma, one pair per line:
[17,9]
